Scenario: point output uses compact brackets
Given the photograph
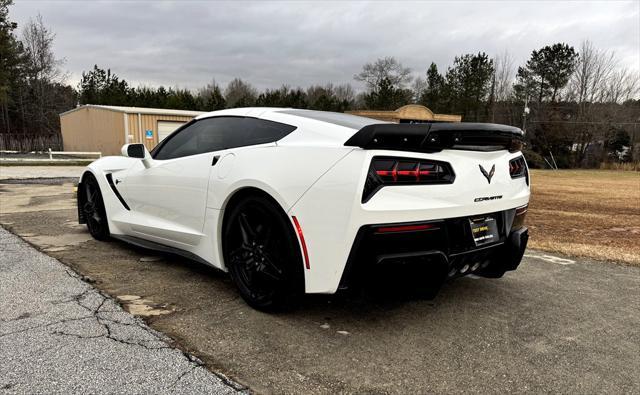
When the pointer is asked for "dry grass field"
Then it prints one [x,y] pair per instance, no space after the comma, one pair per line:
[591,213]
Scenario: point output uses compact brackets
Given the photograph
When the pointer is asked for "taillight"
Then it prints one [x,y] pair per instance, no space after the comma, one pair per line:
[518,168]
[400,171]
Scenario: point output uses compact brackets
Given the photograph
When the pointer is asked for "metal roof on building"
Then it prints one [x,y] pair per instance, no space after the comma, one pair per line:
[138,110]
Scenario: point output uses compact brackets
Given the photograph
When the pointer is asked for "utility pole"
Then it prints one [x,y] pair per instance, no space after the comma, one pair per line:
[525,112]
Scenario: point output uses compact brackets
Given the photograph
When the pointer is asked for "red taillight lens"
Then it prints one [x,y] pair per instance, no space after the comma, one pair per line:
[406,228]
[401,171]
[404,171]
[517,167]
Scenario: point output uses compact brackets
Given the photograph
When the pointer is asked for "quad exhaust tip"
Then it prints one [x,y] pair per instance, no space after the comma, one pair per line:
[468,268]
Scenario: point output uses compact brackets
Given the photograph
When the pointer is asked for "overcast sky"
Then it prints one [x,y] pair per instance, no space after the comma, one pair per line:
[189,43]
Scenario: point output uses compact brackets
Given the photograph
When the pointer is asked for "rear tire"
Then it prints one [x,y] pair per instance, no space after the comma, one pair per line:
[262,253]
[92,206]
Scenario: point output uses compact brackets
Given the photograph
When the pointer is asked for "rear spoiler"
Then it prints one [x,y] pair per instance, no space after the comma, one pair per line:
[438,136]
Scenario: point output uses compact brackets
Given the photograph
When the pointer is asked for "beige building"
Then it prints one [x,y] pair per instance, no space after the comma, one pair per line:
[407,114]
[107,128]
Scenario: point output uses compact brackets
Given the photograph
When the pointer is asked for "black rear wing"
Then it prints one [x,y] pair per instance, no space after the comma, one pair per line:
[438,136]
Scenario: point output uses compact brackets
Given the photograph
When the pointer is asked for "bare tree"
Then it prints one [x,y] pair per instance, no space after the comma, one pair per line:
[316,92]
[345,92]
[418,87]
[389,68]
[38,47]
[595,67]
[504,76]
[621,85]
[240,94]
[44,75]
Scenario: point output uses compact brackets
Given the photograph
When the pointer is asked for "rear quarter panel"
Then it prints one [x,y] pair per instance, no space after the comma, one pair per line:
[331,212]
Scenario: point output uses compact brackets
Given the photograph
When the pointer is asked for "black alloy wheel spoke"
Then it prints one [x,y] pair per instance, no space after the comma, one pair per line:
[253,256]
[248,234]
[265,235]
[258,251]
[238,253]
[268,268]
[89,195]
[242,258]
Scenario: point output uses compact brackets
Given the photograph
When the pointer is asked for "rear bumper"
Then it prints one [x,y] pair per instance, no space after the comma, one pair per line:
[443,250]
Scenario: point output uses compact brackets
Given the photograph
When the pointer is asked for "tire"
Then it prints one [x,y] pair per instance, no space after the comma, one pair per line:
[262,254]
[92,206]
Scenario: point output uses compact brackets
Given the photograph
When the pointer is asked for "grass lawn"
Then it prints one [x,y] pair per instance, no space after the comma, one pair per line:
[591,213]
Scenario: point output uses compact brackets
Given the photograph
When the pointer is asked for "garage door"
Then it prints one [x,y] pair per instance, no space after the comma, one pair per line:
[165,128]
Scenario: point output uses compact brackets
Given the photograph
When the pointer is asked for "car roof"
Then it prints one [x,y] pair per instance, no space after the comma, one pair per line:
[312,127]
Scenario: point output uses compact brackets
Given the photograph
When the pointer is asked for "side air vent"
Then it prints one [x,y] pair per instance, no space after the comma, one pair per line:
[115,191]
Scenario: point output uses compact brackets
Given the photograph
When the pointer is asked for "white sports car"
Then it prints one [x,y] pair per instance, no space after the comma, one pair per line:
[291,201]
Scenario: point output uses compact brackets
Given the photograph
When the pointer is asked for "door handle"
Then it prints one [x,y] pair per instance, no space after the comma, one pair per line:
[215,160]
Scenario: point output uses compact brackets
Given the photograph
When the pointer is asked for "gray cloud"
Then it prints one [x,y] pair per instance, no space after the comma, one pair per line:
[189,43]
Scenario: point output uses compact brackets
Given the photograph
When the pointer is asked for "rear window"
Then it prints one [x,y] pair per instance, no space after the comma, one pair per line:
[336,118]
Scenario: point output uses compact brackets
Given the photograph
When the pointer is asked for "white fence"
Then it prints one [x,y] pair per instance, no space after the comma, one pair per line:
[52,153]
[20,158]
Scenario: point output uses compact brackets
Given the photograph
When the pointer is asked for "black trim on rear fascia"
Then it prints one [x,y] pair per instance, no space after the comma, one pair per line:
[414,254]
[115,191]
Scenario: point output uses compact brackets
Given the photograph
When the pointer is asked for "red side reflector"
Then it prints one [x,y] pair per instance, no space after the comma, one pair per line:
[405,228]
[304,245]
[522,210]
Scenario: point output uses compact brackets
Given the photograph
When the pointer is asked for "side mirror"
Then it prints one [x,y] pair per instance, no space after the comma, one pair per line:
[138,151]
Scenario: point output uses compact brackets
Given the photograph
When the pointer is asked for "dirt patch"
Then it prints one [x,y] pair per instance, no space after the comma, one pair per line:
[586,213]
[136,305]
[40,181]
[22,198]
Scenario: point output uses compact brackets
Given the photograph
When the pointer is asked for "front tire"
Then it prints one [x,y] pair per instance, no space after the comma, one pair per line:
[92,206]
[262,253]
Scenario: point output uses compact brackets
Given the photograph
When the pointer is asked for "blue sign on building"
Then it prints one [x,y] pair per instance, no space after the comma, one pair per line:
[149,134]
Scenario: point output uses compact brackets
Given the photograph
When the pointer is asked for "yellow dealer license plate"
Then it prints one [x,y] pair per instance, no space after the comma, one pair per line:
[484,230]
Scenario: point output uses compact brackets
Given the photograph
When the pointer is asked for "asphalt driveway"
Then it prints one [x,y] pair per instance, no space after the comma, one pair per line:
[59,334]
[557,324]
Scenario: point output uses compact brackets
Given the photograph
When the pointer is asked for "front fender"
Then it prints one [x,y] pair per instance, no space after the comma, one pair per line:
[100,168]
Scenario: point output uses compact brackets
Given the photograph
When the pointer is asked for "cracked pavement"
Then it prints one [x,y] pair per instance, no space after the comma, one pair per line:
[556,325]
[58,334]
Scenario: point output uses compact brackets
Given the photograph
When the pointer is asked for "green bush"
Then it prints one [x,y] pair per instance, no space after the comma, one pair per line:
[534,159]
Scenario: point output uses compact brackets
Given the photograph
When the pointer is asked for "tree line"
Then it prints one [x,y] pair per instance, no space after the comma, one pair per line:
[579,107]
[32,86]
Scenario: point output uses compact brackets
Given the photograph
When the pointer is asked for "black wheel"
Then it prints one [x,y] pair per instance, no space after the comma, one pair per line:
[92,207]
[262,253]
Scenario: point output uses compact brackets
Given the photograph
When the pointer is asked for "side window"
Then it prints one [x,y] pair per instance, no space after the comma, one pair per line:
[206,135]
[252,131]
[217,133]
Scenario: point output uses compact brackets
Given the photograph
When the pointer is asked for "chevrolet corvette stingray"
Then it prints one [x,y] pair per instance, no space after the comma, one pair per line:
[295,201]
